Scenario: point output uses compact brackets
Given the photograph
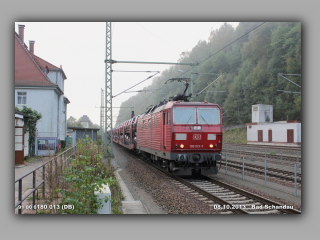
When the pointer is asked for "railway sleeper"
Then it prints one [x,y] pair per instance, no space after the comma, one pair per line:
[227,198]
[266,212]
[240,202]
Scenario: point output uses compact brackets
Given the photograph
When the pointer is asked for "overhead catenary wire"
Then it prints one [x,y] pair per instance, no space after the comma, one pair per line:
[149,96]
[224,47]
[174,46]
[209,85]
[137,84]
[216,53]
[289,79]
[211,56]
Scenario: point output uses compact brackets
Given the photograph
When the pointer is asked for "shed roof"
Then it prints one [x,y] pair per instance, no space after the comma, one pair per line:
[80,128]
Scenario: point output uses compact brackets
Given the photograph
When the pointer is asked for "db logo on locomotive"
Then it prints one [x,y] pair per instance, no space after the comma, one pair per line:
[196,136]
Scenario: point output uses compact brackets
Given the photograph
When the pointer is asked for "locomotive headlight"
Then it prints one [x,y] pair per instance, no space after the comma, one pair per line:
[211,145]
[181,146]
[196,127]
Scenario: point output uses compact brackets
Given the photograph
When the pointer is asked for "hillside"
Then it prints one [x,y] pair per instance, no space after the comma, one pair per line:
[249,65]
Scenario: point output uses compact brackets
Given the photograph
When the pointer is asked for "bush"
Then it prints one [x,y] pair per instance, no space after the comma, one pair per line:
[84,177]
[63,144]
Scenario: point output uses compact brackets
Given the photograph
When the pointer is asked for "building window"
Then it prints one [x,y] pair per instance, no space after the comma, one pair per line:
[22,98]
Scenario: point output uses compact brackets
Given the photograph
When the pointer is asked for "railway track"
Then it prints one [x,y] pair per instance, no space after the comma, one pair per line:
[237,200]
[271,172]
[262,146]
[222,196]
[251,153]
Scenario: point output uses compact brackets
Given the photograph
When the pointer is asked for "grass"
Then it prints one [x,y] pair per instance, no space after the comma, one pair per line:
[237,135]
[31,198]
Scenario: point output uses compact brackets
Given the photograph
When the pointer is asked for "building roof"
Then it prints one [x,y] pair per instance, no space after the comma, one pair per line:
[84,118]
[43,64]
[27,70]
[266,123]
[31,70]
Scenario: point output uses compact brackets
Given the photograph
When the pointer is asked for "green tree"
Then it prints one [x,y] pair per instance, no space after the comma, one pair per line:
[73,122]
[250,66]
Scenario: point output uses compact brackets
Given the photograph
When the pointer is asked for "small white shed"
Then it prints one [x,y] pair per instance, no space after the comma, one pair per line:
[282,132]
[262,113]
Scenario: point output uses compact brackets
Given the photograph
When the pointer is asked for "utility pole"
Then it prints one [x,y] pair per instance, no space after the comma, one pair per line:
[108,89]
[108,143]
[102,116]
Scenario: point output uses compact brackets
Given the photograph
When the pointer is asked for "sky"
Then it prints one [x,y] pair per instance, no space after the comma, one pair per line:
[80,48]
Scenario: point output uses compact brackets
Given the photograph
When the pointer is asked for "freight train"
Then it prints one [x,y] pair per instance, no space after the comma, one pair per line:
[184,138]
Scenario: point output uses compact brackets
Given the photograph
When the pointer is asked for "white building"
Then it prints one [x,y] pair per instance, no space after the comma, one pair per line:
[262,113]
[40,85]
[85,121]
[263,132]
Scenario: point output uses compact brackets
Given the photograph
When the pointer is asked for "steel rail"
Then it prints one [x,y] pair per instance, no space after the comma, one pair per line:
[238,165]
[261,154]
[251,195]
[264,146]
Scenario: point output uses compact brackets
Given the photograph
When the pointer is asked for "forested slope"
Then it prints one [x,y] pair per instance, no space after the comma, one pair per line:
[249,68]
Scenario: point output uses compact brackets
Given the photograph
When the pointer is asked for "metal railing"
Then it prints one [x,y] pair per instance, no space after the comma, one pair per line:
[243,156]
[63,159]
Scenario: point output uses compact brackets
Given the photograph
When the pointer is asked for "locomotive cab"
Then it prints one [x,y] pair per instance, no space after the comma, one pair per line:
[196,138]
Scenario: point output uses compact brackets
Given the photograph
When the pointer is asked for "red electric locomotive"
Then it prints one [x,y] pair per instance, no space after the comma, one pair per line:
[183,137]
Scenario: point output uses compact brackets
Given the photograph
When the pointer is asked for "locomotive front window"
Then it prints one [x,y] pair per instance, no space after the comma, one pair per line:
[208,116]
[184,115]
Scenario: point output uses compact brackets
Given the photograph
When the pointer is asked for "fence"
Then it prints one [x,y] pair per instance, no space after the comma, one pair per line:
[245,157]
[46,143]
[63,157]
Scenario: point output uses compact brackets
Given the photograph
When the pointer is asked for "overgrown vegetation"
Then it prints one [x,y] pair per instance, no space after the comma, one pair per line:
[30,126]
[74,183]
[236,135]
[249,66]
